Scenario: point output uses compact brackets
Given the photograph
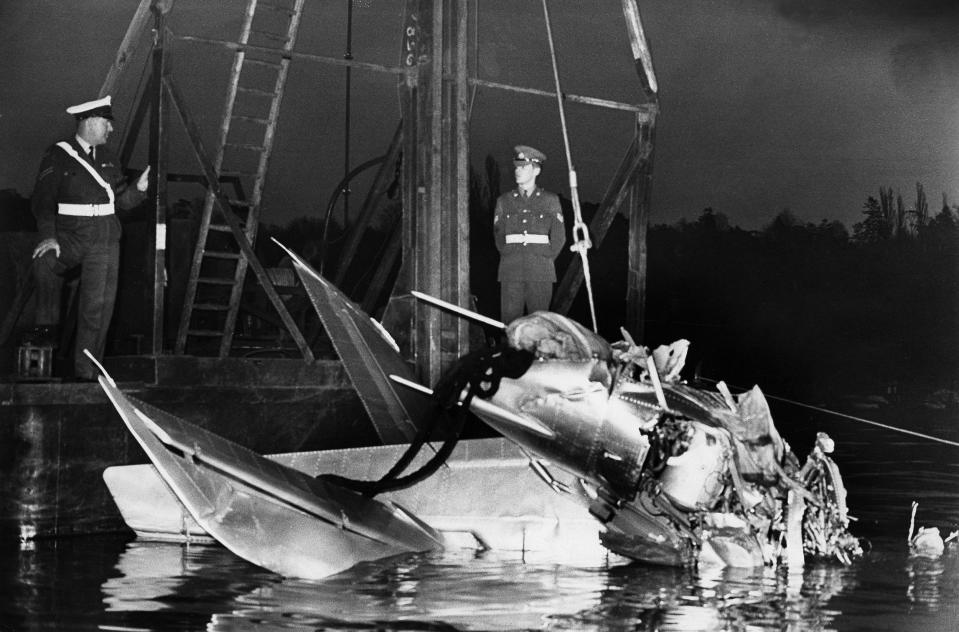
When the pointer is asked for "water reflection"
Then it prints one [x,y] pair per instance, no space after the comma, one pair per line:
[467,592]
[114,583]
[721,599]
[150,573]
[924,577]
[95,583]
[490,592]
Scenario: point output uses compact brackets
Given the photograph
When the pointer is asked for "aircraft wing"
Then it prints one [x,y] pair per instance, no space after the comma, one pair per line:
[266,512]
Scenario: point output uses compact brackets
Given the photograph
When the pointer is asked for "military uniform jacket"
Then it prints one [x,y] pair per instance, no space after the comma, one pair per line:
[539,217]
[63,179]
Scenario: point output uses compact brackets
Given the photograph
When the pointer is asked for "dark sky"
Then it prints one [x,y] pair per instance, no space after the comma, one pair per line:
[809,105]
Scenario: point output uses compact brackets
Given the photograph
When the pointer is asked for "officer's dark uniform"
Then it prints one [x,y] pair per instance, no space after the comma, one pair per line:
[529,235]
[71,205]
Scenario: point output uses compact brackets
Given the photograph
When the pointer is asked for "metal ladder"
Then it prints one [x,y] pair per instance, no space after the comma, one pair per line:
[255,90]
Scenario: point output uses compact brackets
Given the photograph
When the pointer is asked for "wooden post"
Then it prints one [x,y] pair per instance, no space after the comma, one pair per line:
[140,19]
[435,187]
[159,150]
[380,184]
[459,226]
[639,199]
[638,216]
[617,194]
[642,57]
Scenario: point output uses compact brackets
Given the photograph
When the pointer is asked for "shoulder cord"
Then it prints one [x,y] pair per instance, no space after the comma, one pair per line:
[581,242]
[478,373]
[68,148]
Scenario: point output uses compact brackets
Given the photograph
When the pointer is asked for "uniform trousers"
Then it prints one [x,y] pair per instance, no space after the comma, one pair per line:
[515,295]
[93,243]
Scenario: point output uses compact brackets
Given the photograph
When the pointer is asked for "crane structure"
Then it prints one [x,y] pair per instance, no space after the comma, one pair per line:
[430,152]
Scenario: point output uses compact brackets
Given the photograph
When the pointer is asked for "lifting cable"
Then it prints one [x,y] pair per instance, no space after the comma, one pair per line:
[581,242]
[846,416]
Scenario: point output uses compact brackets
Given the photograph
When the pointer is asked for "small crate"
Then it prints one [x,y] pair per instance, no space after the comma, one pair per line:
[34,361]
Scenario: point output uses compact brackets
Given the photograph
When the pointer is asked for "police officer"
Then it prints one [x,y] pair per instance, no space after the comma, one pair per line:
[529,230]
[78,188]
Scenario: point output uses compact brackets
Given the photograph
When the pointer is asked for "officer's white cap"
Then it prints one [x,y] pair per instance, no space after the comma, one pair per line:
[99,107]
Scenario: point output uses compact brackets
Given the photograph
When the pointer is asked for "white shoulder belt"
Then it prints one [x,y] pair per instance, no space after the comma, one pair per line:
[67,147]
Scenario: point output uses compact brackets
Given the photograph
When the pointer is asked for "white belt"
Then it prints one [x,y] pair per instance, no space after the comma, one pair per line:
[85,210]
[523,238]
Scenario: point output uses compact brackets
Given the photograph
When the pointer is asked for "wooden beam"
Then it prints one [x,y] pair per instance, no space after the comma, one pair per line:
[617,191]
[642,57]
[641,108]
[401,310]
[639,206]
[159,153]
[332,61]
[199,151]
[132,128]
[435,187]
[134,32]
[402,70]
[377,190]
[460,232]
[430,252]
[388,261]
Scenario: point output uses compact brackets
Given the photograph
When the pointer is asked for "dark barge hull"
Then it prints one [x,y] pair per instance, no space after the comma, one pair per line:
[57,438]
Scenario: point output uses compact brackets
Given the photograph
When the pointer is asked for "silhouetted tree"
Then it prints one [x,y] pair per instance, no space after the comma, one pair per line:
[711,221]
[875,226]
[920,214]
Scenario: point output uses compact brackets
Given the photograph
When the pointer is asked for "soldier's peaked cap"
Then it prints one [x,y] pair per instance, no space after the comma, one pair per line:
[525,153]
[100,107]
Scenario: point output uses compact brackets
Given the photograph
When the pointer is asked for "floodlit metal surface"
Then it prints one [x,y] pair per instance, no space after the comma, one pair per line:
[57,438]
[487,496]
[368,355]
[675,475]
[265,512]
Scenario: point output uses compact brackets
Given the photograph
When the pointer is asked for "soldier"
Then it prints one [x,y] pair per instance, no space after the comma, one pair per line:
[78,188]
[529,231]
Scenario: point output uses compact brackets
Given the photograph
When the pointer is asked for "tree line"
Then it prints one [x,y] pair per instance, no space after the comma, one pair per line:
[811,309]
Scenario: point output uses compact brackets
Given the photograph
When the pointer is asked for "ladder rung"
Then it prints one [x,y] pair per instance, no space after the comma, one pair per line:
[275,7]
[252,119]
[238,174]
[266,93]
[211,307]
[209,333]
[214,281]
[240,203]
[245,146]
[262,62]
[221,255]
[276,37]
[224,228]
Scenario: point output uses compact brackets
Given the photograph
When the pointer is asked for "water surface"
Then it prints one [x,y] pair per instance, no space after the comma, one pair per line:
[119,583]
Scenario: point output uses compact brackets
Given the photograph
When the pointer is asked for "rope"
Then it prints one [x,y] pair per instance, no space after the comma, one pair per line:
[581,242]
[852,417]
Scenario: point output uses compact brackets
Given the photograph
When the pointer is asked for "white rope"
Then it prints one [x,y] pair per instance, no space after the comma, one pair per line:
[581,242]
